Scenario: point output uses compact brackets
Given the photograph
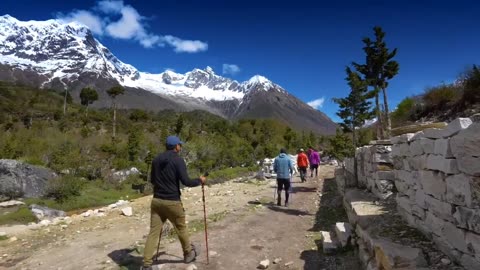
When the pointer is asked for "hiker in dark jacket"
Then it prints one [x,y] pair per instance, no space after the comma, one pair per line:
[168,170]
[283,168]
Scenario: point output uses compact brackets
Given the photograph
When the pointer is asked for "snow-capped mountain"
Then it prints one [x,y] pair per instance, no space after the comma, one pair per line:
[58,55]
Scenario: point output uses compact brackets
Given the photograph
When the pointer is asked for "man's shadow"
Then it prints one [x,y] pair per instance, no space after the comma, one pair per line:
[132,258]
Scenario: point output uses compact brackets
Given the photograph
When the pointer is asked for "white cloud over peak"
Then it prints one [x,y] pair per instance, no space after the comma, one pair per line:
[230,69]
[317,103]
[131,25]
[188,46]
[85,17]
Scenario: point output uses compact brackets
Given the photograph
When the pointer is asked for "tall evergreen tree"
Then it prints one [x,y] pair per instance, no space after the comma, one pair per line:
[355,108]
[113,93]
[378,69]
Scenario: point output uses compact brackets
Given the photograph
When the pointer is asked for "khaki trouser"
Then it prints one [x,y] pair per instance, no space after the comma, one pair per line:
[161,210]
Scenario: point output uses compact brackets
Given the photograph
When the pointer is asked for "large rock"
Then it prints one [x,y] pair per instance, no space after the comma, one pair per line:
[467,218]
[465,147]
[43,212]
[344,233]
[439,163]
[122,175]
[18,179]
[433,183]
[459,189]
[328,244]
[390,255]
[441,209]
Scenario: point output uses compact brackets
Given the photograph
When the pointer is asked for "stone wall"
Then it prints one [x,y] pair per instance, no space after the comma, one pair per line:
[437,175]
[436,183]
[375,168]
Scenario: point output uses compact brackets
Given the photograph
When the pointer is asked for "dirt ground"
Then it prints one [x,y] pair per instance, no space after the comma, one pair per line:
[244,228]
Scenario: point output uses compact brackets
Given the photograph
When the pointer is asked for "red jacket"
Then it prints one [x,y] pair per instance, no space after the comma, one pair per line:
[302,160]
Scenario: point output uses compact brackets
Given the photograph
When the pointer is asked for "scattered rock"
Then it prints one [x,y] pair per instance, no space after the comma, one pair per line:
[344,233]
[122,175]
[10,203]
[43,212]
[289,263]
[12,239]
[88,213]
[212,253]
[127,211]
[264,264]
[277,260]
[445,261]
[45,222]
[64,226]
[191,267]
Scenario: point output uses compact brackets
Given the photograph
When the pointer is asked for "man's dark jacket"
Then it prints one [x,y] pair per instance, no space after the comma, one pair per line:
[168,170]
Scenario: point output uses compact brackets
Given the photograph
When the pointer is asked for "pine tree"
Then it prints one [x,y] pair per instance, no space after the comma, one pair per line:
[113,93]
[355,108]
[378,69]
[87,97]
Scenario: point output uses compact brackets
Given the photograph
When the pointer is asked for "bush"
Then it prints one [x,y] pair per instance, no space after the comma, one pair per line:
[22,216]
[471,92]
[63,188]
[404,111]
[441,97]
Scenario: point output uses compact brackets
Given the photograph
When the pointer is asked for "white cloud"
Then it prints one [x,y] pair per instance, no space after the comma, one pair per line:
[108,6]
[128,26]
[131,25]
[188,46]
[230,69]
[85,17]
[317,103]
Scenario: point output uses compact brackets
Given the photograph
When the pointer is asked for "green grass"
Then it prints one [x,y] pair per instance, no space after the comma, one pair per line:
[92,195]
[22,216]
[224,175]
[3,237]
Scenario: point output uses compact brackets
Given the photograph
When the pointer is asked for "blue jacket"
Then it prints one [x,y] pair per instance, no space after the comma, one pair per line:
[282,166]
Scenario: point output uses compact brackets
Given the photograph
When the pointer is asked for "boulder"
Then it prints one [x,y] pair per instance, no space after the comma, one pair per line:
[18,179]
[43,212]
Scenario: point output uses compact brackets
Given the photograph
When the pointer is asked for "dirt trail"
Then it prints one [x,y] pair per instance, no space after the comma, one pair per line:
[245,227]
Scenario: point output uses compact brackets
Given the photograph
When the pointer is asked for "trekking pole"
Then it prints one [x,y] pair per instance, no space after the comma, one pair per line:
[205,218]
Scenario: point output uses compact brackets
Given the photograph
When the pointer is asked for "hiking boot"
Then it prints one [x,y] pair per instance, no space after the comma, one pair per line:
[146,268]
[191,256]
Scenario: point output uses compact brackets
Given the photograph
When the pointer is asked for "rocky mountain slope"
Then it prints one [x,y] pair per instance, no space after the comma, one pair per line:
[57,55]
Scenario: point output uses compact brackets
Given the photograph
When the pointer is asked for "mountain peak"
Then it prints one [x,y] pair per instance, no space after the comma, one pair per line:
[208,69]
[258,79]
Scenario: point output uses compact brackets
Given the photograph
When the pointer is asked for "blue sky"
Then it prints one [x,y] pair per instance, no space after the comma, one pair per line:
[303,46]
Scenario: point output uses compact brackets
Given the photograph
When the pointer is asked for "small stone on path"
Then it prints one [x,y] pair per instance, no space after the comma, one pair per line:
[446,261]
[264,264]
[127,211]
[289,263]
[212,253]
[191,267]
[277,260]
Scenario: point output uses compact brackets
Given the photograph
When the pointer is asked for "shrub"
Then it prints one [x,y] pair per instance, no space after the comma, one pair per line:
[404,111]
[440,97]
[22,216]
[63,188]
[471,92]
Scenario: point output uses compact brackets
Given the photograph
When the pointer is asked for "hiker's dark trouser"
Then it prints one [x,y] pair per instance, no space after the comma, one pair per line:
[314,167]
[161,210]
[303,173]
[283,183]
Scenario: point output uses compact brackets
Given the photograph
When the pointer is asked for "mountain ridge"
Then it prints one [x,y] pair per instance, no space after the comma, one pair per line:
[52,54]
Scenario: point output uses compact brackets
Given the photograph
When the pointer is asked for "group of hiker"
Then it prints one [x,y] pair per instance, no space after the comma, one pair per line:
[283,167]
[169,170]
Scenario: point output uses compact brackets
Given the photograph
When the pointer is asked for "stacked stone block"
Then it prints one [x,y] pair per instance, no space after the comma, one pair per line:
[437,176]
[375,168]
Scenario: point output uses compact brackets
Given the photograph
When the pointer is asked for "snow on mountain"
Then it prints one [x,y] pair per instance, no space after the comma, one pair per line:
[65,50]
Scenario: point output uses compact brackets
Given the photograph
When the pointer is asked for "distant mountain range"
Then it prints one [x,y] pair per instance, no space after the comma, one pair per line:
[56,55]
